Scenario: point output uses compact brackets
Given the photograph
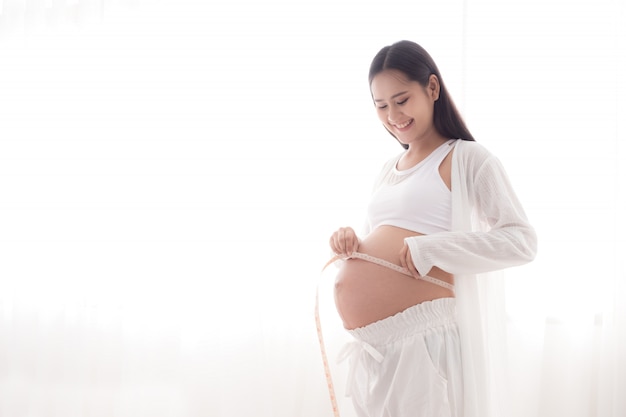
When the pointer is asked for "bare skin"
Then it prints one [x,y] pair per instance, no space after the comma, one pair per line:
[366,292]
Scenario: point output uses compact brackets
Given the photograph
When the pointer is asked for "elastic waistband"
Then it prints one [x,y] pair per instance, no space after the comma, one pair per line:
[413,320]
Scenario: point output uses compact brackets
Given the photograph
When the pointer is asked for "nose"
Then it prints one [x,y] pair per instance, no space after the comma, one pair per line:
[393,115]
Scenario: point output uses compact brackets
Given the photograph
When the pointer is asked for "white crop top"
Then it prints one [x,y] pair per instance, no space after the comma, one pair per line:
[415,199]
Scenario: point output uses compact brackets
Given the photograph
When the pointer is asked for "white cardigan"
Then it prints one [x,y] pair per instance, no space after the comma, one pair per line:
[489,232]
[489,228]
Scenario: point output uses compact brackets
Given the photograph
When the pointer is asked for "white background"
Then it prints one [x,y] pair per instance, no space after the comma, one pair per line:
[170,173]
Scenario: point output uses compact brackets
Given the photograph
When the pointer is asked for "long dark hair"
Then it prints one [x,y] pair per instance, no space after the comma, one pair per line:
[413,61]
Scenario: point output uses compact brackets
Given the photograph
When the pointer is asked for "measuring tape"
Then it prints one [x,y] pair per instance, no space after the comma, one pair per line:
[318,324]
[320,338]
[329,378]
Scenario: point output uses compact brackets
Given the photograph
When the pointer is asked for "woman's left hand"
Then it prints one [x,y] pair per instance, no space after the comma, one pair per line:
[407,261]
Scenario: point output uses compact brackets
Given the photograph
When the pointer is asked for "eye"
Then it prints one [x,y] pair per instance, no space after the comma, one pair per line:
[400,103]
[381,107]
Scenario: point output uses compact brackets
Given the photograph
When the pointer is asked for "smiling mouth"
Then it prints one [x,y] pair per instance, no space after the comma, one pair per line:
[404,125]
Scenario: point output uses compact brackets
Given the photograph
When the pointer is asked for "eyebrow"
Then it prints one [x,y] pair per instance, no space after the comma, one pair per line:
[394,96]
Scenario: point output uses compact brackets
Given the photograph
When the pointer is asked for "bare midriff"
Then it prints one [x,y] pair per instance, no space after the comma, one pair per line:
[366,292]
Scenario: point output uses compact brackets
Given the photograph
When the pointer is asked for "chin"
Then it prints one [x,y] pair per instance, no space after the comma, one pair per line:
[403,141]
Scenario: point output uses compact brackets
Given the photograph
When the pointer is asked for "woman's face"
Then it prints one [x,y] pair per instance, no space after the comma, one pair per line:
[404,106]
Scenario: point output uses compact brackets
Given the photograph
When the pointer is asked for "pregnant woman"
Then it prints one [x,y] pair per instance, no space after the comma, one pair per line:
[442,211]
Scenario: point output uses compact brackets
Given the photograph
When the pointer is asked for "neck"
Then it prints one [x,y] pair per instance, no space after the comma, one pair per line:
[425,145]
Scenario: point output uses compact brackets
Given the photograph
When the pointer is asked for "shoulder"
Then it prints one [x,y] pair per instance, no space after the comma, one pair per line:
[474,163]
[471,150]
[470,156]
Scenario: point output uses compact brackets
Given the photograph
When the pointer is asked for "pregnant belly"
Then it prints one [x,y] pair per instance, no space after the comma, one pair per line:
[366,292]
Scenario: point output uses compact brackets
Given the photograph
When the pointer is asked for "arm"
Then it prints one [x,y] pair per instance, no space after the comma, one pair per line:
[506,239]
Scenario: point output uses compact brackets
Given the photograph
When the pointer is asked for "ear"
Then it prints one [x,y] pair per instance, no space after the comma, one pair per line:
[433,87]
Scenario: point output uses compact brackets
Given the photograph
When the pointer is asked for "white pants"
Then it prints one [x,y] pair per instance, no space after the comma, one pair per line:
[408,365]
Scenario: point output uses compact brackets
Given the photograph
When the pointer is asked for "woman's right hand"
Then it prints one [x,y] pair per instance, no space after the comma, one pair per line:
[344,242]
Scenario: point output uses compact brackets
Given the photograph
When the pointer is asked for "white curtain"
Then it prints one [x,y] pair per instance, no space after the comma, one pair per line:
[170,172]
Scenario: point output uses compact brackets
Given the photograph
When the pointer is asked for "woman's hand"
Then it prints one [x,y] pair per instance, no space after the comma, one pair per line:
[407,262]
[344,241]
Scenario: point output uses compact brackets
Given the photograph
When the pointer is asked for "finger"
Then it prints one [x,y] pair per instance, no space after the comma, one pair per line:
[335,244]
[410,265]
[403,253]
[347,236]
[355,244]
[350,244]
[340,240]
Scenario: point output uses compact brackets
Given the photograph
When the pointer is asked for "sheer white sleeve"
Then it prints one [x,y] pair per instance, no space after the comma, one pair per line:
[505,239]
